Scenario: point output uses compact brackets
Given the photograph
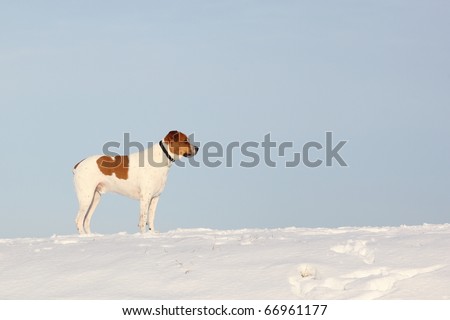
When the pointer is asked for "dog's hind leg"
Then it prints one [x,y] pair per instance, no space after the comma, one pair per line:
[85,201]
[90,212]
[82,212]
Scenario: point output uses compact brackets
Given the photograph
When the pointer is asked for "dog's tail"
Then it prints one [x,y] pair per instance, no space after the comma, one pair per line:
[75,167]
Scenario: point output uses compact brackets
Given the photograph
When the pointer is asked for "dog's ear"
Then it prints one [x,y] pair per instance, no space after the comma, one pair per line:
[171,136]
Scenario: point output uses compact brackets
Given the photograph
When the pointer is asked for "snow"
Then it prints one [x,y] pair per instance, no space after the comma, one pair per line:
[407,262]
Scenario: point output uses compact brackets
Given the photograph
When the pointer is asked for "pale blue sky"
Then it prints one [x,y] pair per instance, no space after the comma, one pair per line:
[77,74]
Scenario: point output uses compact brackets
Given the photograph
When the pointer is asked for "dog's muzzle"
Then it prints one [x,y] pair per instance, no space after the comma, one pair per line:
[190,154]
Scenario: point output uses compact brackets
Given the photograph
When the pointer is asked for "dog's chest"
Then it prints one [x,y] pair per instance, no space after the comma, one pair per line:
[152,180]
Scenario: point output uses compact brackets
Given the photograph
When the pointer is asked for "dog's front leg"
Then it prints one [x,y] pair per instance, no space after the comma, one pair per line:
[145,203]
[151,213]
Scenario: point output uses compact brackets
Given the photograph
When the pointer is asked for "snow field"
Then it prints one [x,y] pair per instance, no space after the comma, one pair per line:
[292,263]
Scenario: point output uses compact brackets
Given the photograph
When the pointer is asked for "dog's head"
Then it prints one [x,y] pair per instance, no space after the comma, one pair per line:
[179,145]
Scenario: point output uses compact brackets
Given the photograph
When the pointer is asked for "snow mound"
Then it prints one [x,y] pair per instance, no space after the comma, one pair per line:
[292,263]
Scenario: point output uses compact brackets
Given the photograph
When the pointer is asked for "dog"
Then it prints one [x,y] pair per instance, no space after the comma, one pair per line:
[141,175]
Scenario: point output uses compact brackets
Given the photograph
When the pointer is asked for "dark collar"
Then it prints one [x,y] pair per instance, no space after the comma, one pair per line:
[165,151]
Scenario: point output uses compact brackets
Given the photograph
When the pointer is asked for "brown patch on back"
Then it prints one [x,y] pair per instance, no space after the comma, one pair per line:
[118,165]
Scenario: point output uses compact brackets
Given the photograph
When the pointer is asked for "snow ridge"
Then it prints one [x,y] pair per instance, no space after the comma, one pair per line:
[291,263]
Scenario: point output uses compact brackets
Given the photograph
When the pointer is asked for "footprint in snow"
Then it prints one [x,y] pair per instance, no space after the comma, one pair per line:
[356,248]
[360,284]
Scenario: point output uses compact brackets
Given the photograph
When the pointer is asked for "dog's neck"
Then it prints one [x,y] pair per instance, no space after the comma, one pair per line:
[165,151]
[155,157]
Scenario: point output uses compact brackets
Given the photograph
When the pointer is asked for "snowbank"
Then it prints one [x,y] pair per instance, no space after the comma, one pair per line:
[293,263]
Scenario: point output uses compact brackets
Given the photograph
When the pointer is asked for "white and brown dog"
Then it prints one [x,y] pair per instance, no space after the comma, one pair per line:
[140,175]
